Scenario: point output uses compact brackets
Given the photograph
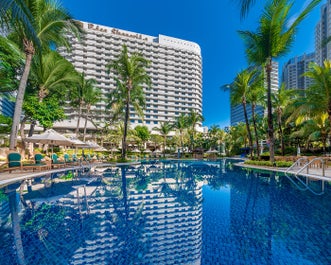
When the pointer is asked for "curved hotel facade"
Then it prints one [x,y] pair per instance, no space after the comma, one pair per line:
[175,71]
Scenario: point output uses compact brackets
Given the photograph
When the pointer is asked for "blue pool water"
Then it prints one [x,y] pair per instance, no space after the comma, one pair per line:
[166,213]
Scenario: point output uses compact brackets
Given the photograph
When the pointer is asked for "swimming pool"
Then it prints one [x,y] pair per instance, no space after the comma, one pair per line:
[171,212]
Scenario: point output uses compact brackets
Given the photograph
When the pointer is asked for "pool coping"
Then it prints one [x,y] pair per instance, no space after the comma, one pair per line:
[284,171]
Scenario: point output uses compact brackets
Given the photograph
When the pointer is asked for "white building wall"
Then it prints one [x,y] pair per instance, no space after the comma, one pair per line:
[175,71]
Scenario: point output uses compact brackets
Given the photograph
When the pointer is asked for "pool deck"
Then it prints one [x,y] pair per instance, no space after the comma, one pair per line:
[7,178]
[315,173]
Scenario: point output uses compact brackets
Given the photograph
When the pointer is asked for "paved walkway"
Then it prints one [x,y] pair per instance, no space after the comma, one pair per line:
[316,173]
[7,178]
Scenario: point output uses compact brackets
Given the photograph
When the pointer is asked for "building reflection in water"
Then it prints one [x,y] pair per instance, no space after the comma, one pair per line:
[148,214]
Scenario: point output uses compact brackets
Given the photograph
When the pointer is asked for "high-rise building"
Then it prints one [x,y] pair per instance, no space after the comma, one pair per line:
[293,72]
[322,33]
[175,71]
[237,112]
[6,106]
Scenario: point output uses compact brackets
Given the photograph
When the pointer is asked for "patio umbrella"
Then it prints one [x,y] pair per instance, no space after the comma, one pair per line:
[212,151]
[135,151]
[50,137]
[147,151]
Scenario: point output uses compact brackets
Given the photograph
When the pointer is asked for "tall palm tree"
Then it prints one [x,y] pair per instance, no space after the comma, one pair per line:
[273,39]
[181,124]
[92,96]
[239,89]
[281,100]
[51,24]
[131,77]
[164,129]
[256,97]
[51,73]
[318,95]
[79,95]
[17,10]
[193,119]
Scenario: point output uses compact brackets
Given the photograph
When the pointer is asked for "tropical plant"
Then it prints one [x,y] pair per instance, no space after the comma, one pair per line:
[50,23]
[52,74]
[80,94]
[92,96]
[193,118]
[131,77]
[273,39]
[239,90]
[164,129]
[11,60]
[181,124]
[142,133]
[281,100]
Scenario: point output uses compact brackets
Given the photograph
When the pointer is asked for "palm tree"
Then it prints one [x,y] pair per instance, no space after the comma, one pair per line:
[51,73]
[80,93]
[51,24]
[92,96]
[17,10]
[245,6]
[273,39]
[164,129]
[281,100]
[181,124]
[131,76]
[239,90]
[193,119]
[256,97]
[318,95]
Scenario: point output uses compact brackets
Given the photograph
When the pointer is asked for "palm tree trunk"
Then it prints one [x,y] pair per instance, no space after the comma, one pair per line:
[126,120]
[281,137]
[164,145]
[78,121]
[29,52]
[248,130]
[85,125]
[269,108]
[255,131]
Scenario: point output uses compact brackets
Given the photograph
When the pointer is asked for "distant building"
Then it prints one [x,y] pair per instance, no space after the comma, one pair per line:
[6,106]
[237,112]
[322,33]
[175,71]
[293,72]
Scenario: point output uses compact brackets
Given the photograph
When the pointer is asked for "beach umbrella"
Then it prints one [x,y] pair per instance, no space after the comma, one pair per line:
[50,137]
[212,151]
[147,151]
[135,151]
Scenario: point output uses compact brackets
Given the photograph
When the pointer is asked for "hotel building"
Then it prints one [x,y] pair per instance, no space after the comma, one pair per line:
[294,69]
[175,71]
[237,112]
[322,33]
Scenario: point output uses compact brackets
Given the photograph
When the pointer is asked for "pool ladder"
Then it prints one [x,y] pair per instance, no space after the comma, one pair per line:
[80,200]
[306,165]
[305,184]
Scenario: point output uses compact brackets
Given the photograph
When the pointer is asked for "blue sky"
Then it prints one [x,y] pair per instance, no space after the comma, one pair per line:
[213,24]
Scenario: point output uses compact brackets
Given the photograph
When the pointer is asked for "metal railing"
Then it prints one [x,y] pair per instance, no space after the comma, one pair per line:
[297,163]
[306,166]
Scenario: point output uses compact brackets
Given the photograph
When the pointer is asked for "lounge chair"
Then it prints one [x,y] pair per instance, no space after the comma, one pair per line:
[40,163]
[56,162]
[69,161]
[15,163]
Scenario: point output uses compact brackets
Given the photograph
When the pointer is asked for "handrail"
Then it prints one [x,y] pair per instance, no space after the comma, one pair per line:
[296,163]
[309,163]
[304,184]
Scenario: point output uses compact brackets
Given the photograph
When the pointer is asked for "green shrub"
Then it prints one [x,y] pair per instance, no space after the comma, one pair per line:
[268,163]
